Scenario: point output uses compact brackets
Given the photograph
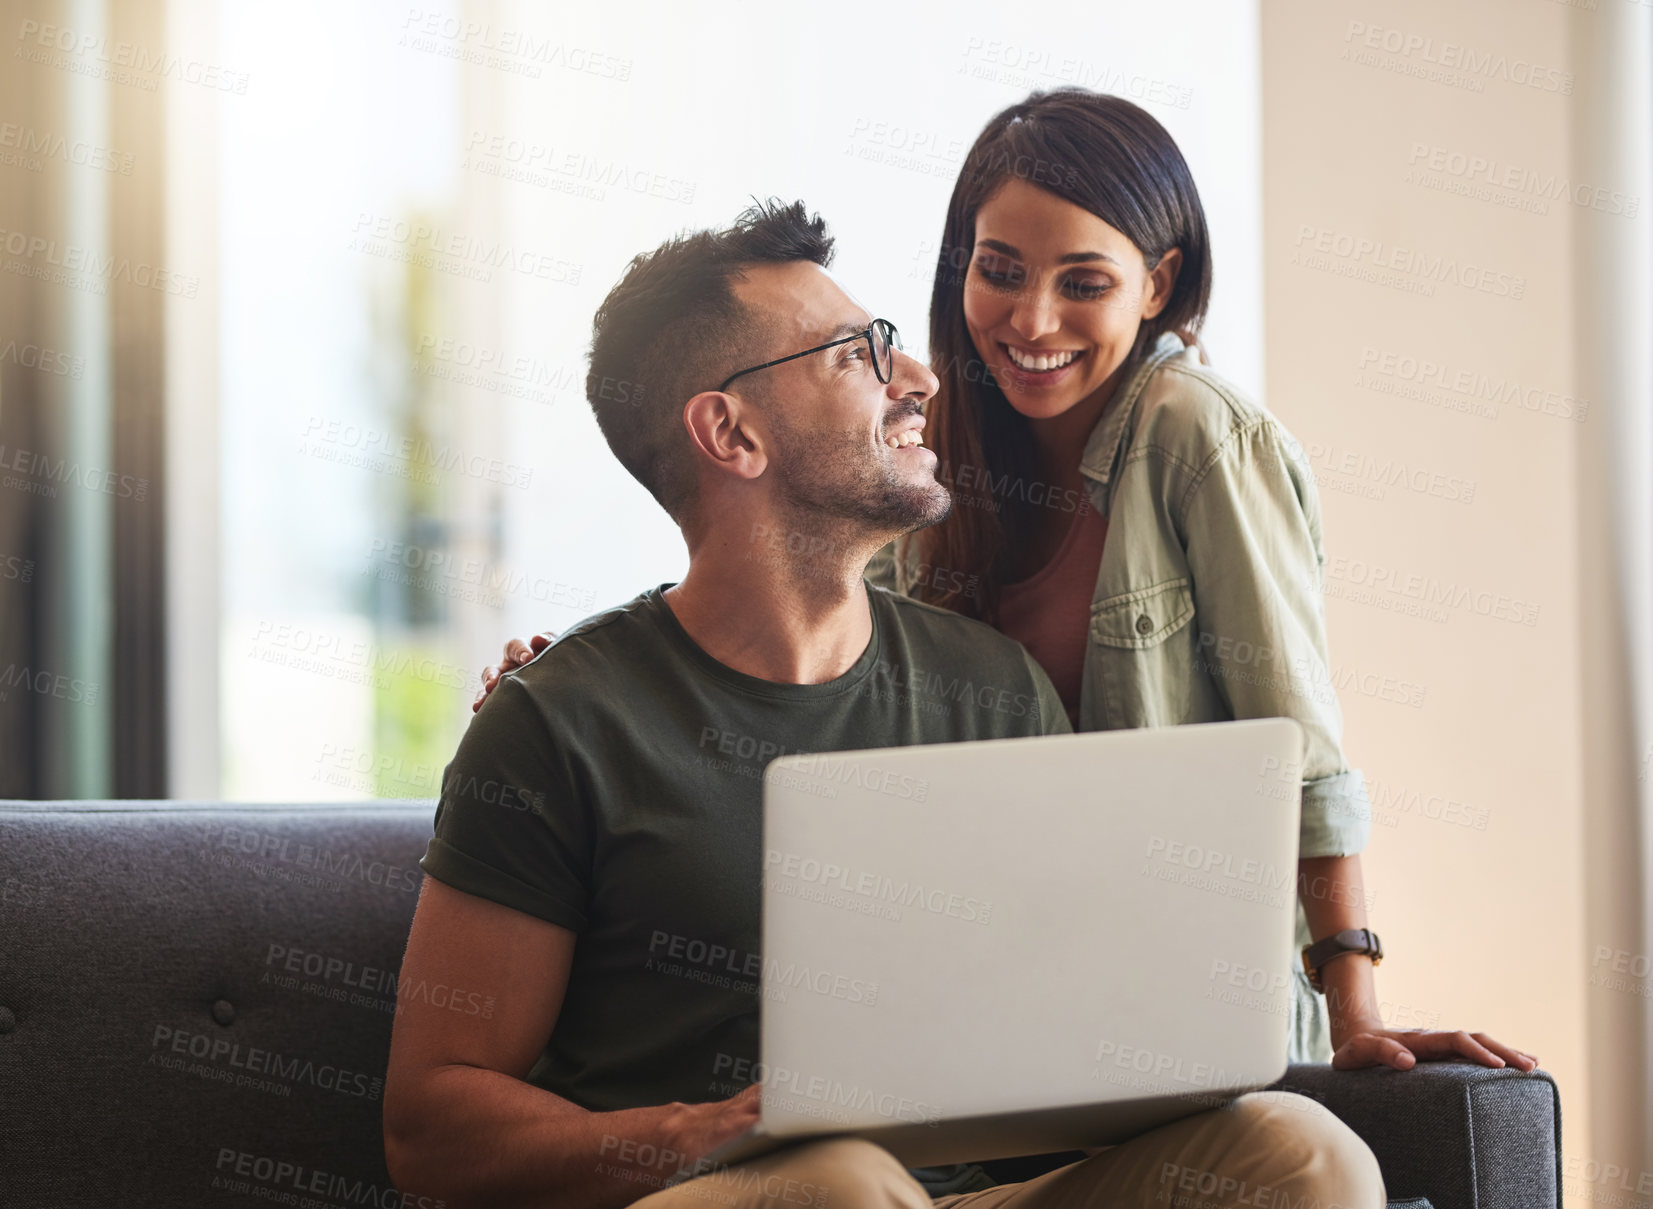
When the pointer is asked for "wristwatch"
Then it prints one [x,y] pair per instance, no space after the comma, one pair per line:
[1350,940]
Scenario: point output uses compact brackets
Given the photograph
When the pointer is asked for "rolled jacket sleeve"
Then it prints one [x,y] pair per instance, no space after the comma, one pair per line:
[1337,817]
[1250,523]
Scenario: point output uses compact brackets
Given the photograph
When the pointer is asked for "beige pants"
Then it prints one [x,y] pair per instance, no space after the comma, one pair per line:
[1266,1150]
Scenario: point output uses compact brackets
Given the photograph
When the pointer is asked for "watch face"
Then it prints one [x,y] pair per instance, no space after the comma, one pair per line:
[1352,938]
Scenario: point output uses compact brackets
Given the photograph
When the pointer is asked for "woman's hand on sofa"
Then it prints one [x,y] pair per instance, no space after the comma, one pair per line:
[1404,1048]
[517,653]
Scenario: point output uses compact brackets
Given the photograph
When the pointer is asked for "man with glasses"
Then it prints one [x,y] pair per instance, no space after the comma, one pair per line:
[593,888]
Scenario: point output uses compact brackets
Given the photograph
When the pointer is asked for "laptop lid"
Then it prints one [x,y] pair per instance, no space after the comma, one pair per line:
[972,929]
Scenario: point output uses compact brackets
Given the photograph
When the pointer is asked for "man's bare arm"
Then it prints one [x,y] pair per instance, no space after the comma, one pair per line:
[460,1122]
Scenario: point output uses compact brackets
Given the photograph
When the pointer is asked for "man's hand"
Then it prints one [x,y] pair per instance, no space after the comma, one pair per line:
[695,1130]
[517,653]
[1404,1048]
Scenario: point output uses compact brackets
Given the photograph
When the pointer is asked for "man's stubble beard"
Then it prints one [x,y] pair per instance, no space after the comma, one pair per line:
[829,477]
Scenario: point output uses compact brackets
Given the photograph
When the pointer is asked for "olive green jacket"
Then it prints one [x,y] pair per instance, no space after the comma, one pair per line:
[1209,602]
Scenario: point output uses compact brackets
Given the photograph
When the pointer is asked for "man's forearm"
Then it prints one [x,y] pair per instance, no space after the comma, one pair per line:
[476,1137]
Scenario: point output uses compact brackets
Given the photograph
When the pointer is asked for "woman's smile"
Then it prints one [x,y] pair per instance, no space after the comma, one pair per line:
[1027,368]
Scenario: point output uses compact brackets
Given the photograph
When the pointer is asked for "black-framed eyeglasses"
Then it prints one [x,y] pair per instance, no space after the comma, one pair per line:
[881,337]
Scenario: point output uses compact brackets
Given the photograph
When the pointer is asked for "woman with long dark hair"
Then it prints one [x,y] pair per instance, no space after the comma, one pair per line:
[1150,535]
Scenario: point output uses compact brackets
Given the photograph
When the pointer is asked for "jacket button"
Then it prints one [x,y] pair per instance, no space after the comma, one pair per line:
[7,1020]
[1145,625]
[223,1012]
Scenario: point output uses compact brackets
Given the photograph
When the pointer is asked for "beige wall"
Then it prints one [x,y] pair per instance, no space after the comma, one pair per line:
[1408,220]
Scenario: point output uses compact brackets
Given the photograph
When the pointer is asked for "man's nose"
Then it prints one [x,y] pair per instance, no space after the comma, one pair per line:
[912,378]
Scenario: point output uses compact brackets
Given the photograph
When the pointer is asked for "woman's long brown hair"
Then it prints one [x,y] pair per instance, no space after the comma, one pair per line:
[1112,158]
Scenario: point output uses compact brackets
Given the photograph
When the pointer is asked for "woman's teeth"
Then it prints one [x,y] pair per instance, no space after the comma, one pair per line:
[1041,362]
[903,439]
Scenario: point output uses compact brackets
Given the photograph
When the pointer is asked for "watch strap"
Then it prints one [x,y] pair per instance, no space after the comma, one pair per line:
[1350,940]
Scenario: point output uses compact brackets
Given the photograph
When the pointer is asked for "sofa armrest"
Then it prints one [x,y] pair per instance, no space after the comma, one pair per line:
[1462,1136]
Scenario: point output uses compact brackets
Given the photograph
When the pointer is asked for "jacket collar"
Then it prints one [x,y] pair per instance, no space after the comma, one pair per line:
[1106,445]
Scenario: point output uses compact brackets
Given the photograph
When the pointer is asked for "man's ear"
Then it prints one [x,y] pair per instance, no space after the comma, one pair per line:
[723,431]
[1161,281]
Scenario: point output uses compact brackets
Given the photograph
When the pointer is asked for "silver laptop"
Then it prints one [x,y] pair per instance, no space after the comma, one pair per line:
[1017,946]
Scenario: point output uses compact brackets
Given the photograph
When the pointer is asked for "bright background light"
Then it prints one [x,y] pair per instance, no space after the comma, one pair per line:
[577,140]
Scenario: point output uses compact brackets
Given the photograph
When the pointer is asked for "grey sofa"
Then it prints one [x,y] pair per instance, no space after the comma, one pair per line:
[196,1003]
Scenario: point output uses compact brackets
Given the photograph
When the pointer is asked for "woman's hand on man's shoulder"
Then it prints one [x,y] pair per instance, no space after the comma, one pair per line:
[517,653]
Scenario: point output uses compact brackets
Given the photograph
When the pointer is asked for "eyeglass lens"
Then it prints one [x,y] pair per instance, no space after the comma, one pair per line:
[884,340]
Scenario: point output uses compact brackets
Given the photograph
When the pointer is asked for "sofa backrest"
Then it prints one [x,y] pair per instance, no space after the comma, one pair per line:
[196,999]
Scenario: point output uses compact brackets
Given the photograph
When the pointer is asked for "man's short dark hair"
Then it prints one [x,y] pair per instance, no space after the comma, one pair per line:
[673,327]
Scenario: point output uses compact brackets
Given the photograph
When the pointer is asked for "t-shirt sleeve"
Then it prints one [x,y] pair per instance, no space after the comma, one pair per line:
[1053,715]
[509,826]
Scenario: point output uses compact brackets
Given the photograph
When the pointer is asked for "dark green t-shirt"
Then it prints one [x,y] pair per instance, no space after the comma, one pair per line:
[614,787]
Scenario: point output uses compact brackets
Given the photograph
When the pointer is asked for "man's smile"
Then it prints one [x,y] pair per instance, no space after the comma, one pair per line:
[909,436]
